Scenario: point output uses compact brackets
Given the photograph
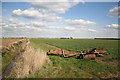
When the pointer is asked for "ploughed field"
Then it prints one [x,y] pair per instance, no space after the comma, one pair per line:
[102,67]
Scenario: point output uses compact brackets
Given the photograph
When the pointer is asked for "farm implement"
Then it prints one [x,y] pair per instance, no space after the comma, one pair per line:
[89,54]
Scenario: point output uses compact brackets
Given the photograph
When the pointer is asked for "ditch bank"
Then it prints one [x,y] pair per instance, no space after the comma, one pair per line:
[27,61]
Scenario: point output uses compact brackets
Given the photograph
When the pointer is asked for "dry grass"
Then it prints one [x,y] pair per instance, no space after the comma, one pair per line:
[0,59]
[29,61]
[0,67]
[0,43]
[7,42]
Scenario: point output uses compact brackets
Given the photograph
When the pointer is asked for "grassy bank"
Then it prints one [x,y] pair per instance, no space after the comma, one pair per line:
[76,68]
[8,55]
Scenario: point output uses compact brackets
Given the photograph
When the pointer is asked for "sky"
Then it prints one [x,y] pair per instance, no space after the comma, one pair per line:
[60,19]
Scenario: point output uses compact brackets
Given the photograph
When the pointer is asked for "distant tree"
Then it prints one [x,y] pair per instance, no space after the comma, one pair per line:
[62,38]
[71,37]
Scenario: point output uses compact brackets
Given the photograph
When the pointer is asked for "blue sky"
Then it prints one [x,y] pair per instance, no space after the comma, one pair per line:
[78,20]
[95,11]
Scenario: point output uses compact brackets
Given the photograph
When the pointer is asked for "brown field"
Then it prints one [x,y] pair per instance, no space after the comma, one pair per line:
[6,42]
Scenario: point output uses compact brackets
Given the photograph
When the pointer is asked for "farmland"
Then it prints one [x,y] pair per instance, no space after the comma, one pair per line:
[102,67]
[59,67]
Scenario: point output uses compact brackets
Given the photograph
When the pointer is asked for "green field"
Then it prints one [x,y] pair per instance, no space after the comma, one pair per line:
[61,67]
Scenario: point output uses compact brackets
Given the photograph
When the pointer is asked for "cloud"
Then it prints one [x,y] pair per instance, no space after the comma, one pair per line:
[55,6]
[46,10]
[33,28]
[15,24]
[92,30]
[86,29]
[69,28]
[32,13]
[41,24]
[38,24]
[38,29]
[79,22]
[76,29]
[0,19]
[12,25]
[112,26]
[12,20]
[53,27]
[114,12]
[15,27]
[29,13]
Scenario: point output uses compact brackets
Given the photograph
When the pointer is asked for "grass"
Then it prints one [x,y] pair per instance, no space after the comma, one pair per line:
[78,45]
[76,68]
[36,43]
[8,56]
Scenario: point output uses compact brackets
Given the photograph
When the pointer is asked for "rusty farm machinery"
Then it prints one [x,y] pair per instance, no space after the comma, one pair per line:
[89,54]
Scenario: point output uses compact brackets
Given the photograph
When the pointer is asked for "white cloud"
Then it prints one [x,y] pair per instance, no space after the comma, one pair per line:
[54,27]
[47,10]
[51,17]
[55,0]
[39,24]
[32,13]
[69,28]
[12,20]
[29,13]
[86,29]
[55,6]
[44,25]
[92,30]
[15,24]
[80,22]
[112,26]
[33,28]
[114,12]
